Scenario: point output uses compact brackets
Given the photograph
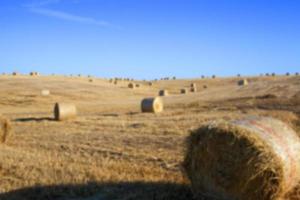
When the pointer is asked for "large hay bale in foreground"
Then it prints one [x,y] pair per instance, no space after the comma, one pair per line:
[163,93]
[64,111]
[153,105]
[254,158]
[5,129]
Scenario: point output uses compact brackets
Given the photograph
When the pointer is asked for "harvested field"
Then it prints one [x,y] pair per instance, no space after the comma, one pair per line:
[111,150]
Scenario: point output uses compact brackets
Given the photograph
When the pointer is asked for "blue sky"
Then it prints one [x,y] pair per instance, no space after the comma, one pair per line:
[150,38]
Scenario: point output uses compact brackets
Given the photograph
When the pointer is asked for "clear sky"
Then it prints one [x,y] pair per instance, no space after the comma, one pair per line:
[150,38]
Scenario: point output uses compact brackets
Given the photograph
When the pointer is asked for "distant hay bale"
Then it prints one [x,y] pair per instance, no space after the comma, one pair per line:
[91,80]
[31,73]
[205,86]
[45,92]
[163,93]
[183,91]
[137,85]
[193,85]
[116,82]
[5,129]
[150,83]
[153,105]
[243,82]
[131,85]
[64,111]
[249,159]
[193,89]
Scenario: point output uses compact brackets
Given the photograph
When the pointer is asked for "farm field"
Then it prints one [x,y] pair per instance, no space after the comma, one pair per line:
[112,150]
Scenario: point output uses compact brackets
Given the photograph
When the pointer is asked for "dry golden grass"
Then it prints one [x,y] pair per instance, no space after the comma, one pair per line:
[112,150]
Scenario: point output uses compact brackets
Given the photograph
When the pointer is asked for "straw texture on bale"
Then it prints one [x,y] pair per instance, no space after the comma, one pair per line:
[64,111]
[243,82]
[183,91]
[5,129]
[254,158]
[153,105]
[45,92]
[131,85]
[163,93]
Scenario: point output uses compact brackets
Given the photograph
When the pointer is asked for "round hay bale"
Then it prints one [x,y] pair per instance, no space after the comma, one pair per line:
[193,89]
[91,80]
[193,85]
[137,85]
[116,82]
[205,86]
[243,82]
[64,111]
[183,91]
[150,83]
[45,92]
[253,158]
[153,105]
[5,129]
[163,93]
[131,85]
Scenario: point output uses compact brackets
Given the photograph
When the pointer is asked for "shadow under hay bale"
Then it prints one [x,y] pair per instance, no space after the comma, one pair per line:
[5,129]
[64,111]
[254,158]
[103,191]
[153,105]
